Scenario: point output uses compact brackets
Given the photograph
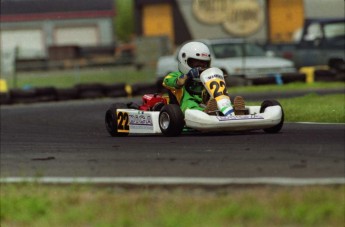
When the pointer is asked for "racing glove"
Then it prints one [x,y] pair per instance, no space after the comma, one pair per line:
[194,73]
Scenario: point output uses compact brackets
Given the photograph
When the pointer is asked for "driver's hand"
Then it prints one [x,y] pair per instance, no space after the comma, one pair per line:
[194,73]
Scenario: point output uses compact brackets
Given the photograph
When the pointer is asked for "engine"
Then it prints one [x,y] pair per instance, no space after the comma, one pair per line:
[153,102]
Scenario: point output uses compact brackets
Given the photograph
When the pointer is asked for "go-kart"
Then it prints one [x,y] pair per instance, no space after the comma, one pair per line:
[157,114]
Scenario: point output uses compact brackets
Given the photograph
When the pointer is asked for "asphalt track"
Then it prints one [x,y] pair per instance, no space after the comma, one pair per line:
[68,139]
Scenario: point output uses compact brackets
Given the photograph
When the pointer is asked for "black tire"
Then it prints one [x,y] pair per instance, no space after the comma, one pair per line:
[115,90]
[278,127]
[143,88]
[158,106]
[90,91]
[111,119]
[67,94]
[171,120]
[23,96]
[338,64]
[46,94]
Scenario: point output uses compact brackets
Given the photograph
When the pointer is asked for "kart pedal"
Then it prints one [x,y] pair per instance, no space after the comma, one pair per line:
[205,96]
[239,106]
[211,107]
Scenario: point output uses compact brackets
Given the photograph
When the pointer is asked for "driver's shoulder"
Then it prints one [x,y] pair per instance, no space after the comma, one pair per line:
[174,74]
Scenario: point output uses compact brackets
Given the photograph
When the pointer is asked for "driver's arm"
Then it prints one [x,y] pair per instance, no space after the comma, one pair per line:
[181,80]
[174,80]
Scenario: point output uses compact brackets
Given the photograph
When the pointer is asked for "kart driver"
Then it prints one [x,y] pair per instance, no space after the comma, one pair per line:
[185,85]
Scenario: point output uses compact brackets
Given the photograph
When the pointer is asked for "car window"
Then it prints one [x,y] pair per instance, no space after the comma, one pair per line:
[254,50]
[231,50]
[227,50]
[334,30]
[335,35]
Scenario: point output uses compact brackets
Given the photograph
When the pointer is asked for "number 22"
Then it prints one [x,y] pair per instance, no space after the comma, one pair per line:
[122,122]
[219,88]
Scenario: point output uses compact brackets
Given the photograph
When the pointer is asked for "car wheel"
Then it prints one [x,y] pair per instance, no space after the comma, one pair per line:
[171,120]
[111,119]
[279,126]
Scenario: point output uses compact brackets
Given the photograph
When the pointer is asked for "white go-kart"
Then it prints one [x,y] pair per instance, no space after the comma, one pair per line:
[157,114]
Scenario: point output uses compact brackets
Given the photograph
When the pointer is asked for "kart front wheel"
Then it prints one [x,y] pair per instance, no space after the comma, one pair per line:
[111,119]
[278,127]
[171,120]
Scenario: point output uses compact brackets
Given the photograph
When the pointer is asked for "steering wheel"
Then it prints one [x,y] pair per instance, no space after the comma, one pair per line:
[190,84]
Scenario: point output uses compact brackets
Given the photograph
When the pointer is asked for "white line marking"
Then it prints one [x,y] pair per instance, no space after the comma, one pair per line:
[318,123]
[177,181]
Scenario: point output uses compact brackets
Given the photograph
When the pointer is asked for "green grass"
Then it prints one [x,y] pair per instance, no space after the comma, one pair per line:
[76,205]
[313,108]
[68,78]
[287,87]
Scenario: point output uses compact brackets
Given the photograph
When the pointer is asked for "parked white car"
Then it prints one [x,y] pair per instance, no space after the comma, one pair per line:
[239,60]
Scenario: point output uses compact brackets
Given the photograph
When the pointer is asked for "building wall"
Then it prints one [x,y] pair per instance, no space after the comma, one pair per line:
[256,20]
[225,18]
[285,17]
[324,8]
[103,30]
[195,19]
[161,17]
[158,20]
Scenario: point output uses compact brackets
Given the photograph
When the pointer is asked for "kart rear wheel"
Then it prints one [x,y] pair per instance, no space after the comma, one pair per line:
[171,120]
[278,127]
[111,119]
[158,106]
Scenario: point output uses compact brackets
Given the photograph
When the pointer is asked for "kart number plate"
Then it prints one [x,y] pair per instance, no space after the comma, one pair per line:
[122,122]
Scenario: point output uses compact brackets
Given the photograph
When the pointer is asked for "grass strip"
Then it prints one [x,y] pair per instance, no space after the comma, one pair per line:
[298,86]
[313,108]
[69,78]
[81,205]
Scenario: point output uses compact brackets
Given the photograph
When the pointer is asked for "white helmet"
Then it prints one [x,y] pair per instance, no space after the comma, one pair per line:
[196,52]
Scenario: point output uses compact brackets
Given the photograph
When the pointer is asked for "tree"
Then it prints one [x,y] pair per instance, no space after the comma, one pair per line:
[124,19]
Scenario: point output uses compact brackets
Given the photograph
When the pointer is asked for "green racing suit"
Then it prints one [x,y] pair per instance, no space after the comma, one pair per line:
[184,96]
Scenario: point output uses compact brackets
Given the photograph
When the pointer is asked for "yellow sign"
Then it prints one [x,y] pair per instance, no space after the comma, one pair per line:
[238,17]
[3,86]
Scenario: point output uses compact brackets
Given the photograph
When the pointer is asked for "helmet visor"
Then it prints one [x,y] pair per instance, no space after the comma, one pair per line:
[195,63]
